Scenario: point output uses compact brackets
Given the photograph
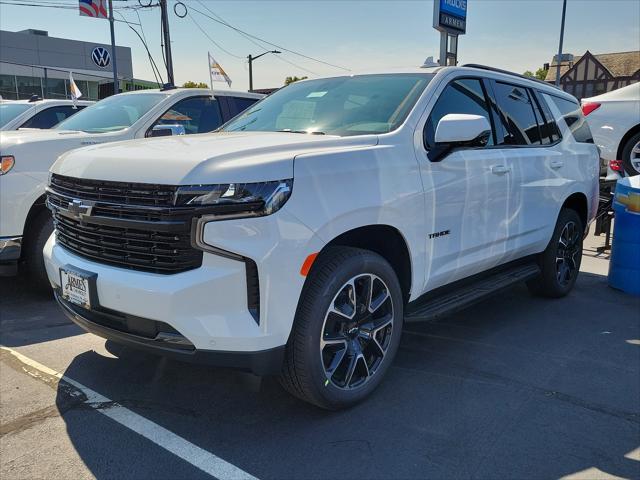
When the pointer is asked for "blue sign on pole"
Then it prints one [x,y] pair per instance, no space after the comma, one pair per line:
[450,16]
[457,8]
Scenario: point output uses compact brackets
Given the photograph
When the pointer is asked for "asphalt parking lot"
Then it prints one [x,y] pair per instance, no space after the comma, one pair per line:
[515,387]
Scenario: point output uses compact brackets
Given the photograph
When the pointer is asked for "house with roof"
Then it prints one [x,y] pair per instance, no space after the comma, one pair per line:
[590,74]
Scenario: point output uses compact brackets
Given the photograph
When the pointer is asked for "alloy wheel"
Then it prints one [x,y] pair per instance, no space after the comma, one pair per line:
[357,331]
[567,260]
[634,157]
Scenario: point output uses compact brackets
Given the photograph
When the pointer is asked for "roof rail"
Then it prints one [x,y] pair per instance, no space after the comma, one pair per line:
[507,72]
[34,98]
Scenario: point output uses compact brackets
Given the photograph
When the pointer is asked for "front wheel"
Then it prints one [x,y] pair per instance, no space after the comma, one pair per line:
[346,331]
[560,262]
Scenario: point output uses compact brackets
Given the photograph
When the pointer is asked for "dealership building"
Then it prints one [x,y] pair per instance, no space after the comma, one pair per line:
[33,63]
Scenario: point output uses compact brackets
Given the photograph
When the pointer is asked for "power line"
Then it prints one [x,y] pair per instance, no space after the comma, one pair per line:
[260,45]
[228,25]
[211,39]
[154,67]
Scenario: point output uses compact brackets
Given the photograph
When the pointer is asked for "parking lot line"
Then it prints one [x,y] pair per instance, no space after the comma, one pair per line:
[196,456]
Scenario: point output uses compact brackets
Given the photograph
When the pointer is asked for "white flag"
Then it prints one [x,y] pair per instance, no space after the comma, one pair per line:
[75,91]
[216,72]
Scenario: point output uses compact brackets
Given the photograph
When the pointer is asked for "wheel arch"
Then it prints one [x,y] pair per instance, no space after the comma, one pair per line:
[386,241]
[578,202]
[36,209]
[625,138]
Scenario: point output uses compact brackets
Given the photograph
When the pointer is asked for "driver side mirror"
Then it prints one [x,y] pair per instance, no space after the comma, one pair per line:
[166,130]
[457,130]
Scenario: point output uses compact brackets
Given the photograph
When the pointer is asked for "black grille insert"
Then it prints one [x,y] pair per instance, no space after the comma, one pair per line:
[130,225]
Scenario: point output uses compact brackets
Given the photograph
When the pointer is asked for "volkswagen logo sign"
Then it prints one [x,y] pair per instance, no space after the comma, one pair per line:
[101,57]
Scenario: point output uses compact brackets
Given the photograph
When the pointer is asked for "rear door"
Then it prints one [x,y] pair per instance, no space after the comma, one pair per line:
[529,137]
[466,193]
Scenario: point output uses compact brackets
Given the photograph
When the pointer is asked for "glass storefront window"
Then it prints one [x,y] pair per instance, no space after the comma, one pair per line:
[55,88]
[28,86]
[8,87]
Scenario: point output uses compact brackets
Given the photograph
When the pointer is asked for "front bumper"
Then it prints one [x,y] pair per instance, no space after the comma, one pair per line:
[265,362]
[210,307]
[10,250]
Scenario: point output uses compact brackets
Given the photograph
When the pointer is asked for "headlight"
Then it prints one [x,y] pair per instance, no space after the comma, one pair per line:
[236,199]
[6,164]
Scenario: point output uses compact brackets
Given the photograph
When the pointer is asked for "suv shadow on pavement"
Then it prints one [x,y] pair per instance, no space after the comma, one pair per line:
[30,316]
[514,387]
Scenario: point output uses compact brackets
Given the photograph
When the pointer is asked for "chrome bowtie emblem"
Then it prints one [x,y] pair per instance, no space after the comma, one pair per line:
[78,209]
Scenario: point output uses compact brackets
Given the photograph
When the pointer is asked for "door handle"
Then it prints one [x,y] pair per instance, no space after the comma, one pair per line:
[500,169]
[556,164]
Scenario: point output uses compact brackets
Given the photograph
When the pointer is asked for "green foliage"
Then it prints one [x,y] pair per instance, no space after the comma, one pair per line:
[540,74]
[289,80]
[191,84]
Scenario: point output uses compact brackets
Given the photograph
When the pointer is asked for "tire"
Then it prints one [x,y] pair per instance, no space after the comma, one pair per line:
[37,234]
[560,265]
[332,361]
[631,153]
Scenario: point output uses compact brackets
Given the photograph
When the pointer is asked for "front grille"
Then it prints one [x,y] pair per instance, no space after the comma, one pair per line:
[131,225]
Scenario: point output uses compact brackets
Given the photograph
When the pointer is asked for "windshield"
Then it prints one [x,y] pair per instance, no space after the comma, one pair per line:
[345,106]
[111,114]
[9,111]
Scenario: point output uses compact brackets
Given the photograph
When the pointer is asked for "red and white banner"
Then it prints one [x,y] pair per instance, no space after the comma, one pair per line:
[93,8]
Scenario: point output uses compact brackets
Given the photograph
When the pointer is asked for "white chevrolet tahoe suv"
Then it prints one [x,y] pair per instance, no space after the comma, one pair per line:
[298,238]
[27,155]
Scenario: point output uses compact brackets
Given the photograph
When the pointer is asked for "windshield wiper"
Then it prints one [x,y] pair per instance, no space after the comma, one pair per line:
[288,130]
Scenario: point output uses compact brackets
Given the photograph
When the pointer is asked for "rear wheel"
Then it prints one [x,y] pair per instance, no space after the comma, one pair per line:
[347,329]
[631,155]
[560,262]
[37,234]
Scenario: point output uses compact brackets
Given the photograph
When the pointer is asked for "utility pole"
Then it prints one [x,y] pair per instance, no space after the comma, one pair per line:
[116,84]
[251,60]
[167,41]
[559,60]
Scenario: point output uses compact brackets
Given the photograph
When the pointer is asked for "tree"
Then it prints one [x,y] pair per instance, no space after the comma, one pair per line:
[540,74]
[289,80]
[191,84]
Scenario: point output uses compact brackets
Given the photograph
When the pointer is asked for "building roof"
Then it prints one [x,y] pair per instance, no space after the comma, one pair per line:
[619,64]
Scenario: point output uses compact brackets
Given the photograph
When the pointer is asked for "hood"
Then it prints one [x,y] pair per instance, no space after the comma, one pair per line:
[197,159]
[36,150]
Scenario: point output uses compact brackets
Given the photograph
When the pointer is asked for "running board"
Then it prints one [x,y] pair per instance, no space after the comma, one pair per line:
[462,297]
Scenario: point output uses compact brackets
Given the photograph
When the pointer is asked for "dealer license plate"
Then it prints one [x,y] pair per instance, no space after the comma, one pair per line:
[75,288]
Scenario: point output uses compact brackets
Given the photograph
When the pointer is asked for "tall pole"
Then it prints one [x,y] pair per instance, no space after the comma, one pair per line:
[250,73]
[167,41]
[116,85]
[559,60]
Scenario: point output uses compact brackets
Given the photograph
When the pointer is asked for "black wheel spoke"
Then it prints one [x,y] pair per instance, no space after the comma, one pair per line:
[357,331]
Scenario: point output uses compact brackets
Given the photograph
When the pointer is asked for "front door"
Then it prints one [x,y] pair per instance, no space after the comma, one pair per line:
[466,194]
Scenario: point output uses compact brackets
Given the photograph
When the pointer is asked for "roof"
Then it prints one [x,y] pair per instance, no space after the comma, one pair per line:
[619,64]
[201,91]
[41,101]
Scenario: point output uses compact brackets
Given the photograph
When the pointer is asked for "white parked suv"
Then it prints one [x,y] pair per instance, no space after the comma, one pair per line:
[36,112]
[298,239]
[27,155]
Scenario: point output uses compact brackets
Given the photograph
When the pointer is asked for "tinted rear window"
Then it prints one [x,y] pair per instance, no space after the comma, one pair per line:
[572,114]
[517,115]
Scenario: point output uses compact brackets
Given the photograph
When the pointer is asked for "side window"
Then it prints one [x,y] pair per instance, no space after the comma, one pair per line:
[517,115]
[549,128]
[195,114]
[239,104]
[50,117]
[460,96]
[572,114]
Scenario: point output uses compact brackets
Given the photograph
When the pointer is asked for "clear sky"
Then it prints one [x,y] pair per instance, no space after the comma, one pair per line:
[514,34]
